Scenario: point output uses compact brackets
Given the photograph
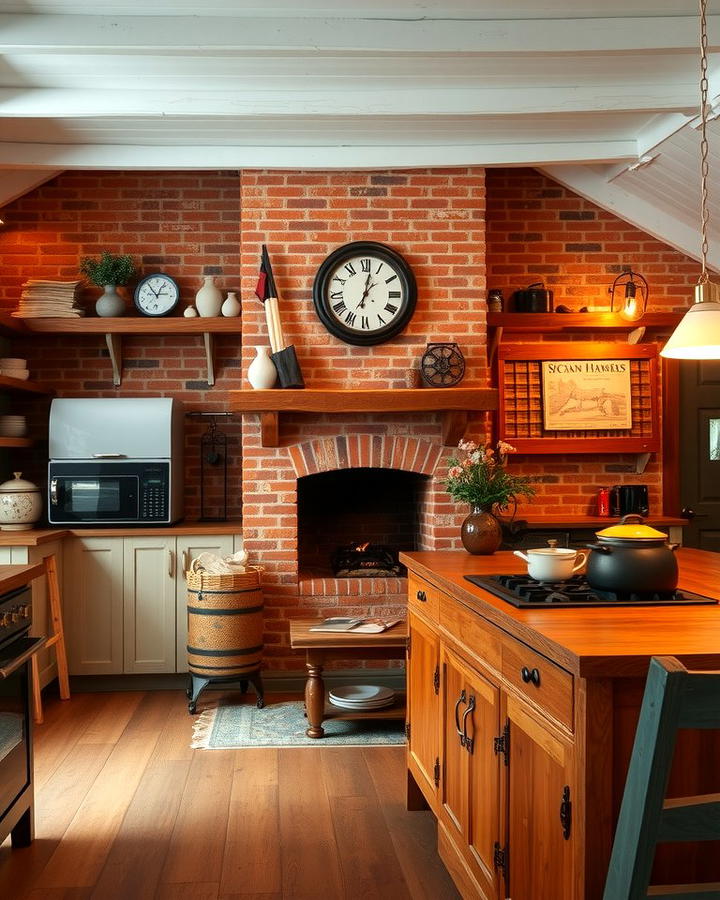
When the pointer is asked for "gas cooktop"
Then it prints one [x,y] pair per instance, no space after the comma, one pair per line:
[522,590]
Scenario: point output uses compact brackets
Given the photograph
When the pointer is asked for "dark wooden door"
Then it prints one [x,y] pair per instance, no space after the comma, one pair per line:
[700,452]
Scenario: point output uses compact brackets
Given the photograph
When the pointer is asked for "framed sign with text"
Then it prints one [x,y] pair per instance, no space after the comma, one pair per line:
[586,394]
[579,397]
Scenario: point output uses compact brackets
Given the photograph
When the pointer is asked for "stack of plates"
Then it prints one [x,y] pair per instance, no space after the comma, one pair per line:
[13,426]
[14,368]
[362,697]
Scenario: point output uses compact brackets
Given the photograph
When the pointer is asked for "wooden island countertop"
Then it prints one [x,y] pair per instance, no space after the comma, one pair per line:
[599,642]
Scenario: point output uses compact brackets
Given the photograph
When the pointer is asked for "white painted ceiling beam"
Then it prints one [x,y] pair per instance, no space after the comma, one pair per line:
[14,184]
[475,35]
[51,102]
[594,186]
[104,156]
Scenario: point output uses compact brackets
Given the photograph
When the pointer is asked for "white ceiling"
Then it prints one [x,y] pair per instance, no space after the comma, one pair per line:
[581,88]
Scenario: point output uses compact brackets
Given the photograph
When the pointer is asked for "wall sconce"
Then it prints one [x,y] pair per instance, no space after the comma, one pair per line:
[633,307]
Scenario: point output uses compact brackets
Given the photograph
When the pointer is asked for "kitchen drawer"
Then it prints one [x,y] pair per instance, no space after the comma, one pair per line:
[471,632]
[423,597]
[545,684]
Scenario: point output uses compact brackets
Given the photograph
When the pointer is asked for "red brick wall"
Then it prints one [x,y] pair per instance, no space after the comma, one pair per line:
[538,230]
[184,223]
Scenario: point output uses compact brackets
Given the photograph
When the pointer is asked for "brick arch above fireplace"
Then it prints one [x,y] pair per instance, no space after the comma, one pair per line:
[365,451]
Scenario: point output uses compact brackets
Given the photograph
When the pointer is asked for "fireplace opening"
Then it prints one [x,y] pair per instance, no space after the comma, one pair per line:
[352,520]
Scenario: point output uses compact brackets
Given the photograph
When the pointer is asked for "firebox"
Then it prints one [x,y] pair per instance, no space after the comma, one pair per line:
[350,520]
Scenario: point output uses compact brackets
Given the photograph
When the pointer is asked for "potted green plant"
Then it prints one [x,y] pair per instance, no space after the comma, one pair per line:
[109,272]
[479,478]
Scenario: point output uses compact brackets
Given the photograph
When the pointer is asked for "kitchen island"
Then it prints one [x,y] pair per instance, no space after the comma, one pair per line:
[521,725]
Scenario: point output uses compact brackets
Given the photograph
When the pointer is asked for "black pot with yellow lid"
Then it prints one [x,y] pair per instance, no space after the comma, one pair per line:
[632,557]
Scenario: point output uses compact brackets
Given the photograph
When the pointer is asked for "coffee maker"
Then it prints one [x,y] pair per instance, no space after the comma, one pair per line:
[629,498]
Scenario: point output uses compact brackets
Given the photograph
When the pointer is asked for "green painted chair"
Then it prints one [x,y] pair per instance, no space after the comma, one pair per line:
[674,698]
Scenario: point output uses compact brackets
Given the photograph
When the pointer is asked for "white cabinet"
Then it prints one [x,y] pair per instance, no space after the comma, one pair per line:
[125,601]
[149,604]
[93,605]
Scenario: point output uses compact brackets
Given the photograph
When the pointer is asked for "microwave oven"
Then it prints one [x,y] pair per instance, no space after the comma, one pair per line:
[110,492]
[115,461]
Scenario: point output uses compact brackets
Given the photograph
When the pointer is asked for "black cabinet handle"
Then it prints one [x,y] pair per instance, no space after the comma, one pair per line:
[467,741]
[530,676]
[422,596]
[460,699]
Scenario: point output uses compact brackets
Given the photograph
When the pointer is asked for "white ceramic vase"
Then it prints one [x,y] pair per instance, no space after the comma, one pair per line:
[190,312]
[20,504]
[110,304]
[231,306]
[262,373]
[208,299]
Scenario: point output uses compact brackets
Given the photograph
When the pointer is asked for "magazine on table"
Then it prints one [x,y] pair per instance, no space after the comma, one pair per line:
[357,625]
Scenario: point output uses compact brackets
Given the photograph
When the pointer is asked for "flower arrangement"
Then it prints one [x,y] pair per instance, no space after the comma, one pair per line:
[108,269]
[480,477]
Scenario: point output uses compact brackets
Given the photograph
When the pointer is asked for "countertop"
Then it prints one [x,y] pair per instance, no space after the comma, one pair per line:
[36,536]
[12,577]
[602,642]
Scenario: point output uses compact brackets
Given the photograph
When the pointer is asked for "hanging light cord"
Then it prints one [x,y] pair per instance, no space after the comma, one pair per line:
[704,167]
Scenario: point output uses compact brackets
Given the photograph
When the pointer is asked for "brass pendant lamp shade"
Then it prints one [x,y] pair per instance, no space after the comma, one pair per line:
[698,334]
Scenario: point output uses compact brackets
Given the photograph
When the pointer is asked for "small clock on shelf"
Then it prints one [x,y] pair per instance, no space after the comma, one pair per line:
[157,295]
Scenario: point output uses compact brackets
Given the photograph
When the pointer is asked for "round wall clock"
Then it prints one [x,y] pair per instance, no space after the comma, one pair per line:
[364,293]
[156,295]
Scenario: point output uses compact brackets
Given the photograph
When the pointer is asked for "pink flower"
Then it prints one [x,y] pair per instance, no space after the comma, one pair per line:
[504,448]
[455,472]
[467,462]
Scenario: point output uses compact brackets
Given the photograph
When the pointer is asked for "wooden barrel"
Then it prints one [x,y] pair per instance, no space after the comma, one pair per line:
[225,623]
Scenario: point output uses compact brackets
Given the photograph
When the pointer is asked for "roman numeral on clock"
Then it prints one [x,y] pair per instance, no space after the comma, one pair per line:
[350,319]
[351,269]
[340,307]
[364,322]
[391,309]
[391,278]
[365,265]
[336,295]
[394,294]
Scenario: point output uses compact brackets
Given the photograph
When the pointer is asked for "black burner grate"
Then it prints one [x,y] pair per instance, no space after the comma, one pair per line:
[522,590]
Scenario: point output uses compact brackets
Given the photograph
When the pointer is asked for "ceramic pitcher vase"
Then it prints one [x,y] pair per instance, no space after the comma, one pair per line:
[231,306]
[208,300]
[262,373]
[110,304]
[480,532]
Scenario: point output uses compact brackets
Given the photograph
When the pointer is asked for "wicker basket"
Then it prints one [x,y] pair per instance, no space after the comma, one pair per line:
[225,623]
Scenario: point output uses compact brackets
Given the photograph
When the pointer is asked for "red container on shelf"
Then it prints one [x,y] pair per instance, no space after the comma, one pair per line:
[603,502]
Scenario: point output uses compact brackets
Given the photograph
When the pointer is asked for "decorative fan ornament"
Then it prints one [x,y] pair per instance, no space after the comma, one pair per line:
[442,365]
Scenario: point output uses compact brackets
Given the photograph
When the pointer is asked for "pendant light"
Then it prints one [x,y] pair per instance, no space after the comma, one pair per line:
[698,334]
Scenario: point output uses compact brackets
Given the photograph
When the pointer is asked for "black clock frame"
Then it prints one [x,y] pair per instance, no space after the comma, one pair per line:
[142,281]
[321,292]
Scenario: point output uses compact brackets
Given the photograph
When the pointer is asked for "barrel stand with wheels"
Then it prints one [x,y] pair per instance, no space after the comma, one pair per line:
[225,632]
[198,683]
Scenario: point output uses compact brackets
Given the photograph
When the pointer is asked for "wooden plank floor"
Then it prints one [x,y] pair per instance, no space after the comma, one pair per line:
[125,810]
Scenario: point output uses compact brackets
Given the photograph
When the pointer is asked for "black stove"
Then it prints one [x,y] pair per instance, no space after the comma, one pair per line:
[522,590]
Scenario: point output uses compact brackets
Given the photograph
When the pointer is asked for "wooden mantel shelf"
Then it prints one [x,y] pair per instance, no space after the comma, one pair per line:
[455,404]
[113,329]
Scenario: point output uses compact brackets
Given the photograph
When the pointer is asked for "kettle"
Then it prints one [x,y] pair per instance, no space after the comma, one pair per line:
[534,299]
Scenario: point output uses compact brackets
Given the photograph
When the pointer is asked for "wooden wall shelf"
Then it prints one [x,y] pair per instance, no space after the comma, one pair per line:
[499,324]
[16,442]
[16,386]
[455,404]
[113,329]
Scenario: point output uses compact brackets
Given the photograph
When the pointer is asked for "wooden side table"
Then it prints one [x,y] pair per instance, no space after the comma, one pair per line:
[320,646]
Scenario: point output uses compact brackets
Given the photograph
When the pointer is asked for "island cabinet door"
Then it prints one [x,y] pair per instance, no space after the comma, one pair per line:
[423,681]
[149,604]
[470,789]
[541,807]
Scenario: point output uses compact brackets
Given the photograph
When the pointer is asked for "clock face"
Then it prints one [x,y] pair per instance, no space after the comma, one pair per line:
[157,295]
[364,293]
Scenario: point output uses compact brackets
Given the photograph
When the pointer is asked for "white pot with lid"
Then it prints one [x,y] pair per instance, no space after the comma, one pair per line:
[20,504]
[550,564]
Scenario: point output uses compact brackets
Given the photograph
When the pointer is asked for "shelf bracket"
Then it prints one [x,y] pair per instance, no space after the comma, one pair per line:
[641,461]
[454,425]
[114,345]
[209,342]
[636,335]
[270,429]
